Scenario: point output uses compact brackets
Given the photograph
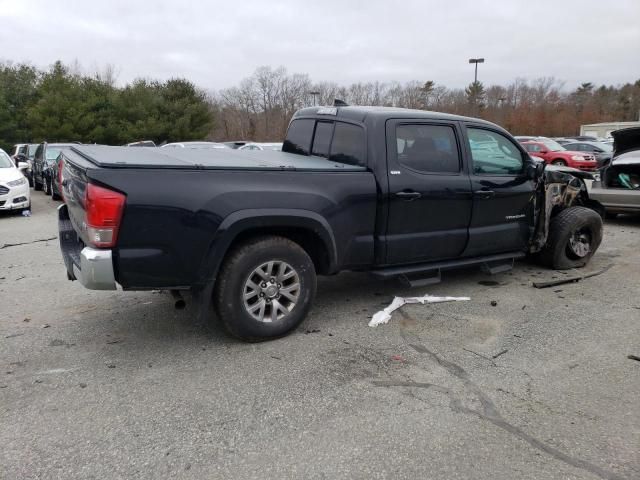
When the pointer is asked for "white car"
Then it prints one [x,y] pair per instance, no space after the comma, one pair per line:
[261,146]
[195,145]
[14,187]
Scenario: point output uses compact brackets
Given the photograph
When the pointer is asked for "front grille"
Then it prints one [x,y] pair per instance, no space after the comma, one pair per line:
[3,190]
[2,203]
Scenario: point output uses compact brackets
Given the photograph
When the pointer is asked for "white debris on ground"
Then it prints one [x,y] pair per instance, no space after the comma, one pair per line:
[383,316]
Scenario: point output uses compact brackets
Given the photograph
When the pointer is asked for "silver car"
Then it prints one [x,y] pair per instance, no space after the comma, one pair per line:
[618,187]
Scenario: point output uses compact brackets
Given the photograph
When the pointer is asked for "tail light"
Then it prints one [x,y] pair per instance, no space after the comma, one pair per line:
[104,209]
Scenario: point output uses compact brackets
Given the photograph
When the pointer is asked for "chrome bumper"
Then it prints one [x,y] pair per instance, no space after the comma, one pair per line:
[96,269]
[92,267]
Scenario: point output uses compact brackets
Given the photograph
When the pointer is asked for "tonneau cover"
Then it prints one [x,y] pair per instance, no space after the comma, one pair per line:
[185,158]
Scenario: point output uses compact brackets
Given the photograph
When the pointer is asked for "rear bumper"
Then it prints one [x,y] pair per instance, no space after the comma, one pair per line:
[92,267]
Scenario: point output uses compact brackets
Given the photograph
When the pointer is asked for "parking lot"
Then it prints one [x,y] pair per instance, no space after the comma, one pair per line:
[518,382]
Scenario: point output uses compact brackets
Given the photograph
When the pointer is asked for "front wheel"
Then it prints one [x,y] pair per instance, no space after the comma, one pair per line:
[54,195]
[265,288]
[574,236]
[46,186]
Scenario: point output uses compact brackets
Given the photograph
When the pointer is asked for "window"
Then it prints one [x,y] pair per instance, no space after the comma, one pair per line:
[322,139]
[493,153]
[52,153]
[348,145]
[299,137]
[428,148]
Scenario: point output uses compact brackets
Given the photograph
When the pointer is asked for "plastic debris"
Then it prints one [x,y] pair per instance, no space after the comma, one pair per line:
[26,213]
[383,316]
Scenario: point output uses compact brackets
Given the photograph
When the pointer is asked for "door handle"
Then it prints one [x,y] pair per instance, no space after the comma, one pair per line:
[408,195]
[484,193]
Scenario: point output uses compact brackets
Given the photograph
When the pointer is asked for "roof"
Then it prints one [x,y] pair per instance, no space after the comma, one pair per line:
[361,113]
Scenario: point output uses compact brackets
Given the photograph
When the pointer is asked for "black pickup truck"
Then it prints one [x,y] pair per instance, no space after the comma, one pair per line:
[398,193]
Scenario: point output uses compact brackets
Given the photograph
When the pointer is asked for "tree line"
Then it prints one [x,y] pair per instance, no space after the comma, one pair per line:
[261,106]
[64,104]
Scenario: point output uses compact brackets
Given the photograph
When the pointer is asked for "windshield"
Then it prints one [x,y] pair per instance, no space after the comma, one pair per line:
[553,146]
[52,153]
[5,160]
[32,150]
[606,147]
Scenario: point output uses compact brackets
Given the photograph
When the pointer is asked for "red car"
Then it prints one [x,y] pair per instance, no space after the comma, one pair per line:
[554,153]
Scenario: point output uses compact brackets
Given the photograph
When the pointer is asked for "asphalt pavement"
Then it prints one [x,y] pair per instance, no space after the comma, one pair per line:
[517,383]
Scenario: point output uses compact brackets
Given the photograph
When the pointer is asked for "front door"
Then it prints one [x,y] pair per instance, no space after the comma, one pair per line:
[502,218]
[429,198]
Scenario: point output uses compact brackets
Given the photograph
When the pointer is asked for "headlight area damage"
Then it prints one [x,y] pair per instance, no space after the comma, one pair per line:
[568,224]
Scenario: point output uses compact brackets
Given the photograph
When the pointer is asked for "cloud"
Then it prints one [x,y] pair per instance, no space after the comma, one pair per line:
[216,44]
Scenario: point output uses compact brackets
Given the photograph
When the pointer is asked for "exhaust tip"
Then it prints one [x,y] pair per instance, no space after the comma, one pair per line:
[179,303]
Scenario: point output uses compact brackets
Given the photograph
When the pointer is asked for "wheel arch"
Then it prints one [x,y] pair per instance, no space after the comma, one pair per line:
[308,229]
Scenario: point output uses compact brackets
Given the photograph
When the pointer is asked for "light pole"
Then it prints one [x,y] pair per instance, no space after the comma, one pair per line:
[476,61]
[314,93]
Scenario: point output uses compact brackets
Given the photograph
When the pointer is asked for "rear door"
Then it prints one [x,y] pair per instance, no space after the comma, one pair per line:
[502,217]
[429,200]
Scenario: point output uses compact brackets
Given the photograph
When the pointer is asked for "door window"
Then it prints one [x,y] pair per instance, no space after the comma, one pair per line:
[494,154]
[427,148]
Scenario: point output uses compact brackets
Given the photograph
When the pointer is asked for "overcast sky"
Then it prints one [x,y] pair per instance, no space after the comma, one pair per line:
[217,43]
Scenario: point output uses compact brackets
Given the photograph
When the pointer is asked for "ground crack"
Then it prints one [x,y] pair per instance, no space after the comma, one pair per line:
[7,245]
[488,410]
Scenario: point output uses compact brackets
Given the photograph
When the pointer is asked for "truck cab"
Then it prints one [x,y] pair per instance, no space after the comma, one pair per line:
[449,187]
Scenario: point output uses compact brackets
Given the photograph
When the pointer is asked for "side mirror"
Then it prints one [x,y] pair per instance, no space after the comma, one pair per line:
[534,169]
[23,166]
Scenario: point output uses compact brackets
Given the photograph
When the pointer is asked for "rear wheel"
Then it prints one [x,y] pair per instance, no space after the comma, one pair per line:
[559,162]
[265,288]
[610,215]
[574,236]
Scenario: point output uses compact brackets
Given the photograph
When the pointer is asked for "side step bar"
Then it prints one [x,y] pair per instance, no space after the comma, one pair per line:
[419,275]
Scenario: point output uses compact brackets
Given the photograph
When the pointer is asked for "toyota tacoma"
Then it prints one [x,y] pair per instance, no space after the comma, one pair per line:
[395,192]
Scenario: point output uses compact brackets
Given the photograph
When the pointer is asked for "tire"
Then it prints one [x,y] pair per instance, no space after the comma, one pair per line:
[559,162]
[238,274]
[46,187]
[36,185]
[54,195]
[610,215]
[574,236]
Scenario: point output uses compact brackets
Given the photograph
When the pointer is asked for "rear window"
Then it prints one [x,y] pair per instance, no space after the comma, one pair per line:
[322,139]
[348,145]
[299,137]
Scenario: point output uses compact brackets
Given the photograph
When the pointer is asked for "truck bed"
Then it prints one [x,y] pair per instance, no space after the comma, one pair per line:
[213,159]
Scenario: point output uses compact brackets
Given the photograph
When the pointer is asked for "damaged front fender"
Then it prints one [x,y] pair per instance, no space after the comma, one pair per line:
[558,188]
